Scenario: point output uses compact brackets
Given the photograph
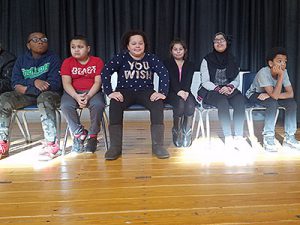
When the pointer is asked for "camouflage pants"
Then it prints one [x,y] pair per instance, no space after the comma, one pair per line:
[47,103]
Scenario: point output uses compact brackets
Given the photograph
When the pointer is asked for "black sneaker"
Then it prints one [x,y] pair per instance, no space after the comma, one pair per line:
[91,145]
[78,142]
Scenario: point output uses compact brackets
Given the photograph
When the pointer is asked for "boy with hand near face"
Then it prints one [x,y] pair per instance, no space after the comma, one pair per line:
[272,88]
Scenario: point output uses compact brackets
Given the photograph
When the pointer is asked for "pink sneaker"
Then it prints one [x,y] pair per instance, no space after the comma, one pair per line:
[3,149]
[50,151]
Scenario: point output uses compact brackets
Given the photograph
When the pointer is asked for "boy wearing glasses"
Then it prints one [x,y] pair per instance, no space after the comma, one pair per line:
[35,80]
[272,88]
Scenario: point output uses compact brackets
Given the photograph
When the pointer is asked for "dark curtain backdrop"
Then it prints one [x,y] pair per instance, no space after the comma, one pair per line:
[255,25]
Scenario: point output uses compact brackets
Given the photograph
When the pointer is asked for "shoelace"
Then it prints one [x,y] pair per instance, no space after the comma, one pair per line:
[270,140]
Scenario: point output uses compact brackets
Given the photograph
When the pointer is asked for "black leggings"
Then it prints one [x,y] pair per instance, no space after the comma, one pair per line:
[223,103]
[181,107]
[116,109]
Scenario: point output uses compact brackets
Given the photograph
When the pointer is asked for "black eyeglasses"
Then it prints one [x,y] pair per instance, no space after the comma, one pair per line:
[36,40]
[219,41]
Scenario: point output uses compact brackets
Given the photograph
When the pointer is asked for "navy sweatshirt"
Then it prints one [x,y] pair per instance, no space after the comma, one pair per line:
[27,69]
[136,75]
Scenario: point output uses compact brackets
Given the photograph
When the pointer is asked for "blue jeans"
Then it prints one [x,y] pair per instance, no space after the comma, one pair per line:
[290,120]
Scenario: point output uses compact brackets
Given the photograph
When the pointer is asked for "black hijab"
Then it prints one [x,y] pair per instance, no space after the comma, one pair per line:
[221,60]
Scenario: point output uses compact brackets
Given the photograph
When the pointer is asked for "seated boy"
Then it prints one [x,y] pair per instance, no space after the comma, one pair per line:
[35,80]
[272,88]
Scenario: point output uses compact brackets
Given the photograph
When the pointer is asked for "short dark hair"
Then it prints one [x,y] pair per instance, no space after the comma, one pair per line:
[35,32]
[181,42]
[126,37]
[82,38]
[275,51]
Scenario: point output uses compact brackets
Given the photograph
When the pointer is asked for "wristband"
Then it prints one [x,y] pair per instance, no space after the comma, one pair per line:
[217,88]
[230,86]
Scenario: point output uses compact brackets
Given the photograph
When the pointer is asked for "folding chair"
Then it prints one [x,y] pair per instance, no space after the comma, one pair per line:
[204,110]
[14,117]
[137,107]
[250,107]
[25,130]
[104,124]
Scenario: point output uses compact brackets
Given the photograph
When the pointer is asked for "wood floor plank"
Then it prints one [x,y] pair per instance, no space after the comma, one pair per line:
[265,214]
[198,185]
[160,203]
[21,197]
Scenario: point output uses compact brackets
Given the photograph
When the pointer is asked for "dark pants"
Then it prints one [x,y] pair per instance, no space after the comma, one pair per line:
[181,107]
[290,120]
[116,109]
[223,103]
[47,103]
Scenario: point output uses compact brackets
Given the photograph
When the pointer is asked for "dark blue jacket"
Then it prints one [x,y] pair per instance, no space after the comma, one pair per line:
[27,69]
[135,75]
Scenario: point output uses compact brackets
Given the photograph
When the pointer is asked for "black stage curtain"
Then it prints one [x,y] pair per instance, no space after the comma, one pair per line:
[255,25]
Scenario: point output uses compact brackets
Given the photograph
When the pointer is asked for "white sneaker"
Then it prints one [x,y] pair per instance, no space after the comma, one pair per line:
[229,143]
[240,143]
[291,142]
[269,144]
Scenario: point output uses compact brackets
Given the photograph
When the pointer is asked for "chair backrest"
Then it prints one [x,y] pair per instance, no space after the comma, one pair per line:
[196,83]
[247,81]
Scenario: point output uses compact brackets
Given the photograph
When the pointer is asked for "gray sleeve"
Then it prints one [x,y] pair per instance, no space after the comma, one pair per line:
[264,79]
[236,81]
[205,78]
[286,80]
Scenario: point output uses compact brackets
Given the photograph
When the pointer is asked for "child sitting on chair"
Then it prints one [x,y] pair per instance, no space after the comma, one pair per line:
[135,67]
[35,80]
[82,89]
[272,88]
[181,72]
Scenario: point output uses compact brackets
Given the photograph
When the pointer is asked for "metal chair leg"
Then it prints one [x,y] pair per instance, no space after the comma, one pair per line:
[63,150]
[207,125]
[104,127]
[28,139]
[16,117]
[200,125]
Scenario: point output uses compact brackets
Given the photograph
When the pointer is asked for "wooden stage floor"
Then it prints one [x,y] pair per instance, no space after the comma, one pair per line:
[203,184]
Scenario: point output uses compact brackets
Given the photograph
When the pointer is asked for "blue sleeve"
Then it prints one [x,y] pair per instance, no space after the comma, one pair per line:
[110,67]
[17,75]
[163,75]
[53,76]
